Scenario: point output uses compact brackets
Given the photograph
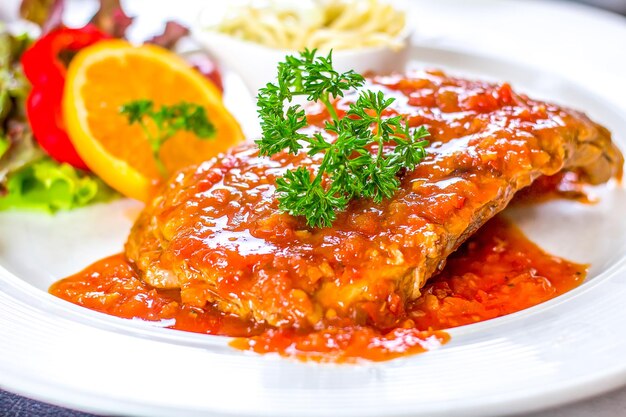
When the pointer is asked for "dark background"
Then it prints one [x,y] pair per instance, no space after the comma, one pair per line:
[618,6]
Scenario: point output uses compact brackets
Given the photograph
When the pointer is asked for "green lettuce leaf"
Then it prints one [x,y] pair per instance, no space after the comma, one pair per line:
[4,145]
[28,179]
[46,185]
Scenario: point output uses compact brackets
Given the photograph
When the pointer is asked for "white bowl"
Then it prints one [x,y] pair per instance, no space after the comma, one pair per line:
[256,64]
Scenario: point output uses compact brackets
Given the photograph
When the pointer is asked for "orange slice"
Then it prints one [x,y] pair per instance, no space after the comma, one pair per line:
[109,74]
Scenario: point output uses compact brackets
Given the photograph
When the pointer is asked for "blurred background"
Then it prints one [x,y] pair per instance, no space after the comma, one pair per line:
[618,6]
[8,7]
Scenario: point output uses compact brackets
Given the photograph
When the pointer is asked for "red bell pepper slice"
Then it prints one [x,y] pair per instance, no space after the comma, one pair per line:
[45,69]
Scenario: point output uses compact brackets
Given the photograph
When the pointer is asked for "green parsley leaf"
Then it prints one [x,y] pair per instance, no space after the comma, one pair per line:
[359,163]
[166,122]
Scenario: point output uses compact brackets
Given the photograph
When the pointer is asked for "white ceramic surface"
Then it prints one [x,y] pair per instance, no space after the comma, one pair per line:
[256,64]
[569,348]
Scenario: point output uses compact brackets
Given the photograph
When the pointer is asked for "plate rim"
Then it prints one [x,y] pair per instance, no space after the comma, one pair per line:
[574,390]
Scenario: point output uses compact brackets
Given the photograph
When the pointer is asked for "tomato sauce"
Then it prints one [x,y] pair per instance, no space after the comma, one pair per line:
[497,271]
[214,254]
[216,230]
[566,185]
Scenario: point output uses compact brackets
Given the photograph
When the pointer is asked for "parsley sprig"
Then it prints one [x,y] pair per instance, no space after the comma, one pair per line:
[166,122]
[356,163]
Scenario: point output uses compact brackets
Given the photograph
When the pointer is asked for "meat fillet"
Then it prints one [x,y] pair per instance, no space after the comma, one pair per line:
[216,233]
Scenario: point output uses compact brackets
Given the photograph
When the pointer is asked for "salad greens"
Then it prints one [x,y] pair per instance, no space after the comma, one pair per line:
[46,185]
[28,178]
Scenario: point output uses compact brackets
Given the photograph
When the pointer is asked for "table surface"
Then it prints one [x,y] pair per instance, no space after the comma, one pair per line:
[608,405]
[600,65]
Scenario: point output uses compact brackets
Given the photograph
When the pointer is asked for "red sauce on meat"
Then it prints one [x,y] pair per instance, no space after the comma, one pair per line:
[216,231]
[563,185]
[221,218]
[496,272]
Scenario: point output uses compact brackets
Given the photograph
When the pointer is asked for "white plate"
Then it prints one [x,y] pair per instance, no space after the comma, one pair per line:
[568,348]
